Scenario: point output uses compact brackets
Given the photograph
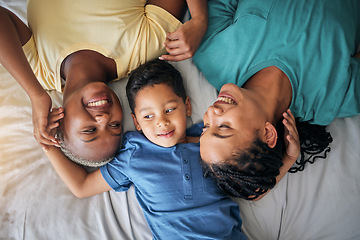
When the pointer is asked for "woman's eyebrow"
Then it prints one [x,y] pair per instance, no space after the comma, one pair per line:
[93,139]
[90,140]
[221,136]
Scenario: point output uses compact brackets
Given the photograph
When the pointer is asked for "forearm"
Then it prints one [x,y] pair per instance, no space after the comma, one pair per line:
[12,56]
[198,10]
[70,173]
[287,164]
[79,182]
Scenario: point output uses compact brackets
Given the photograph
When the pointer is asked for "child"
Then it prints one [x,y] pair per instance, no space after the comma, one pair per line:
[76,47]
[162,162]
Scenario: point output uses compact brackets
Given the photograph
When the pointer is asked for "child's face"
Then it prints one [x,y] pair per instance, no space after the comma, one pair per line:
[92,121]
[161,115]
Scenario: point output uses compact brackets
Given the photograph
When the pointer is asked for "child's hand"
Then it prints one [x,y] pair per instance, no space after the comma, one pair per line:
[40,111]
[291,136]
[53,121]
[183,43]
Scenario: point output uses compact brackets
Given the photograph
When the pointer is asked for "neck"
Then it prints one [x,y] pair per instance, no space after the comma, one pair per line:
[273,91]
[83,67]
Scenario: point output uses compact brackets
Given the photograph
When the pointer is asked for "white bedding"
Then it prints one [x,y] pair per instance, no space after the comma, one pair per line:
[322,202]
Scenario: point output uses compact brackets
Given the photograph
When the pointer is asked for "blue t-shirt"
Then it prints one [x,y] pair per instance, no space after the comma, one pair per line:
[177,201]
[312,42]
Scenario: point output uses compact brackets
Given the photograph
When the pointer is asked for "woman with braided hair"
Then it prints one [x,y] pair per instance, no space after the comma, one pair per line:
[272,56]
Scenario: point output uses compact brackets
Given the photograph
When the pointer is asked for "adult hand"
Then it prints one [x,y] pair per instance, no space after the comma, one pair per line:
[183,43]
[41,105]
[291,135]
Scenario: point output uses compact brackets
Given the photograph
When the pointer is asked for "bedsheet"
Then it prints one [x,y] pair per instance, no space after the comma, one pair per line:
[322,202]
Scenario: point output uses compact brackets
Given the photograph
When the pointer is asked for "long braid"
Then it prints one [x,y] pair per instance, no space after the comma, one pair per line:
[314,142]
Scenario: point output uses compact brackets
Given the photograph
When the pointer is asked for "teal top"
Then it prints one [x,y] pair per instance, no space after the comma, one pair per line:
[312,42]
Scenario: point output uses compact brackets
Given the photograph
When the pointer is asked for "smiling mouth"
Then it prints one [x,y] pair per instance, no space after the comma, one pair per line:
[224,99]
[167,134]
[98,103]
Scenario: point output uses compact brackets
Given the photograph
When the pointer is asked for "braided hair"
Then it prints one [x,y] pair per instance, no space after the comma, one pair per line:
[251,172]
[314,144]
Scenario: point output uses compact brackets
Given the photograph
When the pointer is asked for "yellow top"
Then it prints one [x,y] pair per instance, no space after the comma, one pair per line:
[127,31]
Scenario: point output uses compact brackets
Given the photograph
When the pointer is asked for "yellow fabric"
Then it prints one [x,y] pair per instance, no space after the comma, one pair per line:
[124,30]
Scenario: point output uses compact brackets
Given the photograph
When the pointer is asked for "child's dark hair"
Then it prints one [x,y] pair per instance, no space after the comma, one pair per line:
[252,172]
[152,73]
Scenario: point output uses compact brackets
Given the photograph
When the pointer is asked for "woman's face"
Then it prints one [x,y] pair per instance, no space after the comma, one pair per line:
[230,123]
[92,122]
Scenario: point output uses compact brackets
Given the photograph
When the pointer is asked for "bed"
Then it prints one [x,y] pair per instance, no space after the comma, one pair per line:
[321,202]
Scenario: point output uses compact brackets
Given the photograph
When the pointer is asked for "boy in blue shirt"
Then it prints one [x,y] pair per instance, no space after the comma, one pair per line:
[161,161]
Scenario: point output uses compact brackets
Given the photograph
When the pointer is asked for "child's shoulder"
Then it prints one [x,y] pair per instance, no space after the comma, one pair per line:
[133,136]
[195,130]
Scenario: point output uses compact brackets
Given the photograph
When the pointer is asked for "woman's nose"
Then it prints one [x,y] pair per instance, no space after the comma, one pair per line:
[101,118]
[214,110]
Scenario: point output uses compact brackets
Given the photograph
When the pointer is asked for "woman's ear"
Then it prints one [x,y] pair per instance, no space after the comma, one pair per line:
[270,135]
[137,125]
[188,106]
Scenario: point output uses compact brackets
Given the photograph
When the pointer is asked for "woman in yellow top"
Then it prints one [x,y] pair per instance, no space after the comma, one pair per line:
[76,47]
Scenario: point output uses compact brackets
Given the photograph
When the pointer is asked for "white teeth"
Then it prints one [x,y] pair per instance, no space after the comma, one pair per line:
[98,103]
[226,99]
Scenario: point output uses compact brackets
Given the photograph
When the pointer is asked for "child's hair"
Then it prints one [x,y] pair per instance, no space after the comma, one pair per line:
[252,172]
[152,73]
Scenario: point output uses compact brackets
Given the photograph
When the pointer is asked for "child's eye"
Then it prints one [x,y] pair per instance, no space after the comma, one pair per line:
[224,126]
[149,116]
[170,110]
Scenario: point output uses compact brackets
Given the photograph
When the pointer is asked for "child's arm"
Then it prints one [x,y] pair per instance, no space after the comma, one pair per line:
[13,34]
[79,182]
[292,143]
[183,43]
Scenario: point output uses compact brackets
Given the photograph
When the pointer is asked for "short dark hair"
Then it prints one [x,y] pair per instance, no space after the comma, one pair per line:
[60,136]
[152,73]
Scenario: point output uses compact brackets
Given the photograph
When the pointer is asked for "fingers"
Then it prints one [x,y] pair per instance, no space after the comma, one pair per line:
[46,132]
[55,115]
[172,58]
[44,138]
[177,51]
[290,126]
[177,47]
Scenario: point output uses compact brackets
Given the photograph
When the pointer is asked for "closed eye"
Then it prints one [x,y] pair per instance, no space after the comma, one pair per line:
[114,125]
[224,126]
[89,131]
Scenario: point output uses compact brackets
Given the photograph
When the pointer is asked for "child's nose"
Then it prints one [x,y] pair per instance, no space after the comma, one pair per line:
[162,122]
